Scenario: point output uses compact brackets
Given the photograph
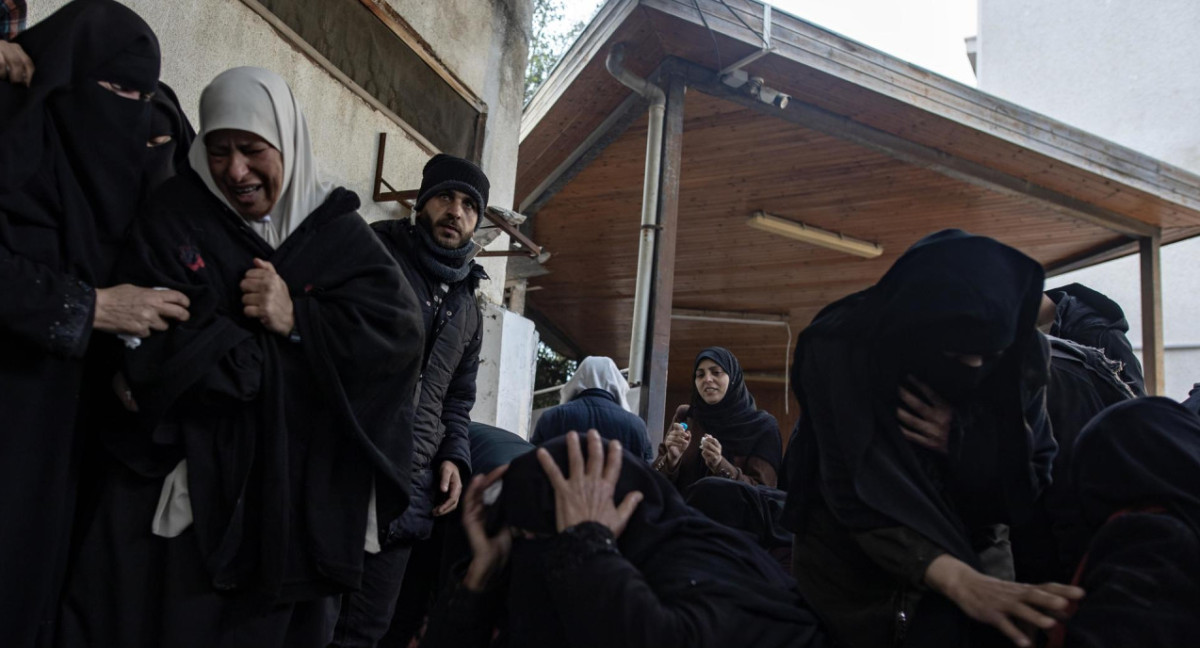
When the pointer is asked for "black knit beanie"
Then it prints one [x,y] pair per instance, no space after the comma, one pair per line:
[444,172]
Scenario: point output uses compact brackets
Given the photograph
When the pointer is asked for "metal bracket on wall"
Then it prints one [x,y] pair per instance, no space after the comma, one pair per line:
[505,220]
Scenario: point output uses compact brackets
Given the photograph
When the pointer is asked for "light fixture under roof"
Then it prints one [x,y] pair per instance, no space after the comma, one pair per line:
[815,235]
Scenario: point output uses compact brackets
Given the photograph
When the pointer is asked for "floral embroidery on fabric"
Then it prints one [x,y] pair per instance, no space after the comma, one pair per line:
[191,258]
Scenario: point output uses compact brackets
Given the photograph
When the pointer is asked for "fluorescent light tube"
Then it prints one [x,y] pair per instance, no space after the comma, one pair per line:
[814,235]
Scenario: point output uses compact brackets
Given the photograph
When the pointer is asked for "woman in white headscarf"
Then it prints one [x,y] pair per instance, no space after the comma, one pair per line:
[274,423]
[596,398]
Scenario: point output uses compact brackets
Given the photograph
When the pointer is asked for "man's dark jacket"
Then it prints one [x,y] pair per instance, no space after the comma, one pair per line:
[446,390]
[1090,318]
[595,409]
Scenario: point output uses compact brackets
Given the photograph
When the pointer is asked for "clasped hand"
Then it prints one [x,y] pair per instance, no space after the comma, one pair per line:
[265,297]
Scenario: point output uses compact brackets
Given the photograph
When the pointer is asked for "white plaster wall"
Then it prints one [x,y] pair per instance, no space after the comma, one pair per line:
[485,44]
[1119,69]
[508,360]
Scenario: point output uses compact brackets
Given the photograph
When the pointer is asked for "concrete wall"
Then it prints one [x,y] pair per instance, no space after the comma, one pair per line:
[504,394]
[483,42]
[1116,68]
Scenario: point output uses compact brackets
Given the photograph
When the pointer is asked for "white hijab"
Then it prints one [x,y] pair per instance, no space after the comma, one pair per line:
[260,102]
[597,372]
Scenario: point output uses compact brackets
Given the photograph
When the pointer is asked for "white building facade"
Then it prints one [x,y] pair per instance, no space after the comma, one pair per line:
[1116,68]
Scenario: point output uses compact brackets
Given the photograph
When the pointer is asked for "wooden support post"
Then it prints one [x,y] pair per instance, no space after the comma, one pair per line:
[653,406]
[1152,327]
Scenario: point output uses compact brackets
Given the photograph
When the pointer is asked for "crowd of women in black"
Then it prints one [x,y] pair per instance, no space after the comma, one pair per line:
[206,395]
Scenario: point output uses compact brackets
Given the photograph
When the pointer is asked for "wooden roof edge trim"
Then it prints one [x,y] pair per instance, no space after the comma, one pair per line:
[974,173]
[593,39]
[1133,168]
[832,47]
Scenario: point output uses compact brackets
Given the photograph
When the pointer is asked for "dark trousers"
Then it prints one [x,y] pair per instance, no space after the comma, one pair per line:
[366,614]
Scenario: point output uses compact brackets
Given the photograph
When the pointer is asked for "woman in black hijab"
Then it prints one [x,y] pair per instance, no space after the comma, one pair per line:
[720,433]
[580,570]
[921,399]
[72,152]
[1136,468]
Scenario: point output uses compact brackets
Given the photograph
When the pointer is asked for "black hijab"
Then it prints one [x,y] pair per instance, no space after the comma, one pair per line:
[72,153]
[950,292]
[676,548]
[742,429]
[1143,452]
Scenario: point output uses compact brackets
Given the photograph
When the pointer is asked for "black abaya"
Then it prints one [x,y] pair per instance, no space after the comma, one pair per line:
[284,437]
[71,162]
[673,578]
[867,497]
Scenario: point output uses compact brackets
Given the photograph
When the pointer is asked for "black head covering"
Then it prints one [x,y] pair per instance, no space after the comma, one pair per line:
[1143,452]
[168,158]
[674,547]
[950,292]
[68,140]
[742,429]
[444,172]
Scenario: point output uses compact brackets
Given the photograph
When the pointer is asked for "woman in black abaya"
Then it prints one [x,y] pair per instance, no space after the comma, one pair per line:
[274,426]
[566,565]
[1136,467]
[720,433]
[72,155]
[922,433]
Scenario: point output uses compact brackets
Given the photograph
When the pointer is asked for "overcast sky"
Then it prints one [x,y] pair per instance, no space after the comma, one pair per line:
[928,33]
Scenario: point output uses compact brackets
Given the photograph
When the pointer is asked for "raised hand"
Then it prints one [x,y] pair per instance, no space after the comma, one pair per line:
[586,495]
[489,554]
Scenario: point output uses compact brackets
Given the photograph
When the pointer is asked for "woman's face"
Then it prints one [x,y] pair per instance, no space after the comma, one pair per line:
[247,169]
[711,381]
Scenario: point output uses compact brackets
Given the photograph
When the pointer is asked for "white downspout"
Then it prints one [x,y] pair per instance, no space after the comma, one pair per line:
[650,225]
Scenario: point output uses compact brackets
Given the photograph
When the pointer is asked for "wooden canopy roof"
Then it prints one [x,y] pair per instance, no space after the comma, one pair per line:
[869,146]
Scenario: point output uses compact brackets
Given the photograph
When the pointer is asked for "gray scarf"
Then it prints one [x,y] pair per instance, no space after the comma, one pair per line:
[448,266]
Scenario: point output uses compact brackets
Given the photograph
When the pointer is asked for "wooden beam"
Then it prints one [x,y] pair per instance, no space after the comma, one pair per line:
[973,173]
[1152,326]
[553,336]
[654,406]
[615,125]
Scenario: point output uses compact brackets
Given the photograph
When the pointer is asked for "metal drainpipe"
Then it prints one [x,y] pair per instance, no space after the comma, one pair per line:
[654,137]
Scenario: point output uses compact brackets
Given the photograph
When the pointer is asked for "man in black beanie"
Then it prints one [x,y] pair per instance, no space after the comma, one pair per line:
[435,254]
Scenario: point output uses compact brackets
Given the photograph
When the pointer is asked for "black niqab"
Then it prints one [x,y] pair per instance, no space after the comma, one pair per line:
[950,292]
[166,158]
[742,429]
[1139,453]
[72,152]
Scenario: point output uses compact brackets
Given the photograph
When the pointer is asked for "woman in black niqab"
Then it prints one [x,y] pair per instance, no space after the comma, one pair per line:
[1136,467]
[672,577]
[71,162]
[861,495]
[749,438]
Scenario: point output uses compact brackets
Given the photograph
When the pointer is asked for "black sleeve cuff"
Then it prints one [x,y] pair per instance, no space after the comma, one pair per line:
[576,544]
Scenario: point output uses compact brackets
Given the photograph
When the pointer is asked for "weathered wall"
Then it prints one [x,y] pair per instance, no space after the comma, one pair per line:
[483,42]
[1116,68]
